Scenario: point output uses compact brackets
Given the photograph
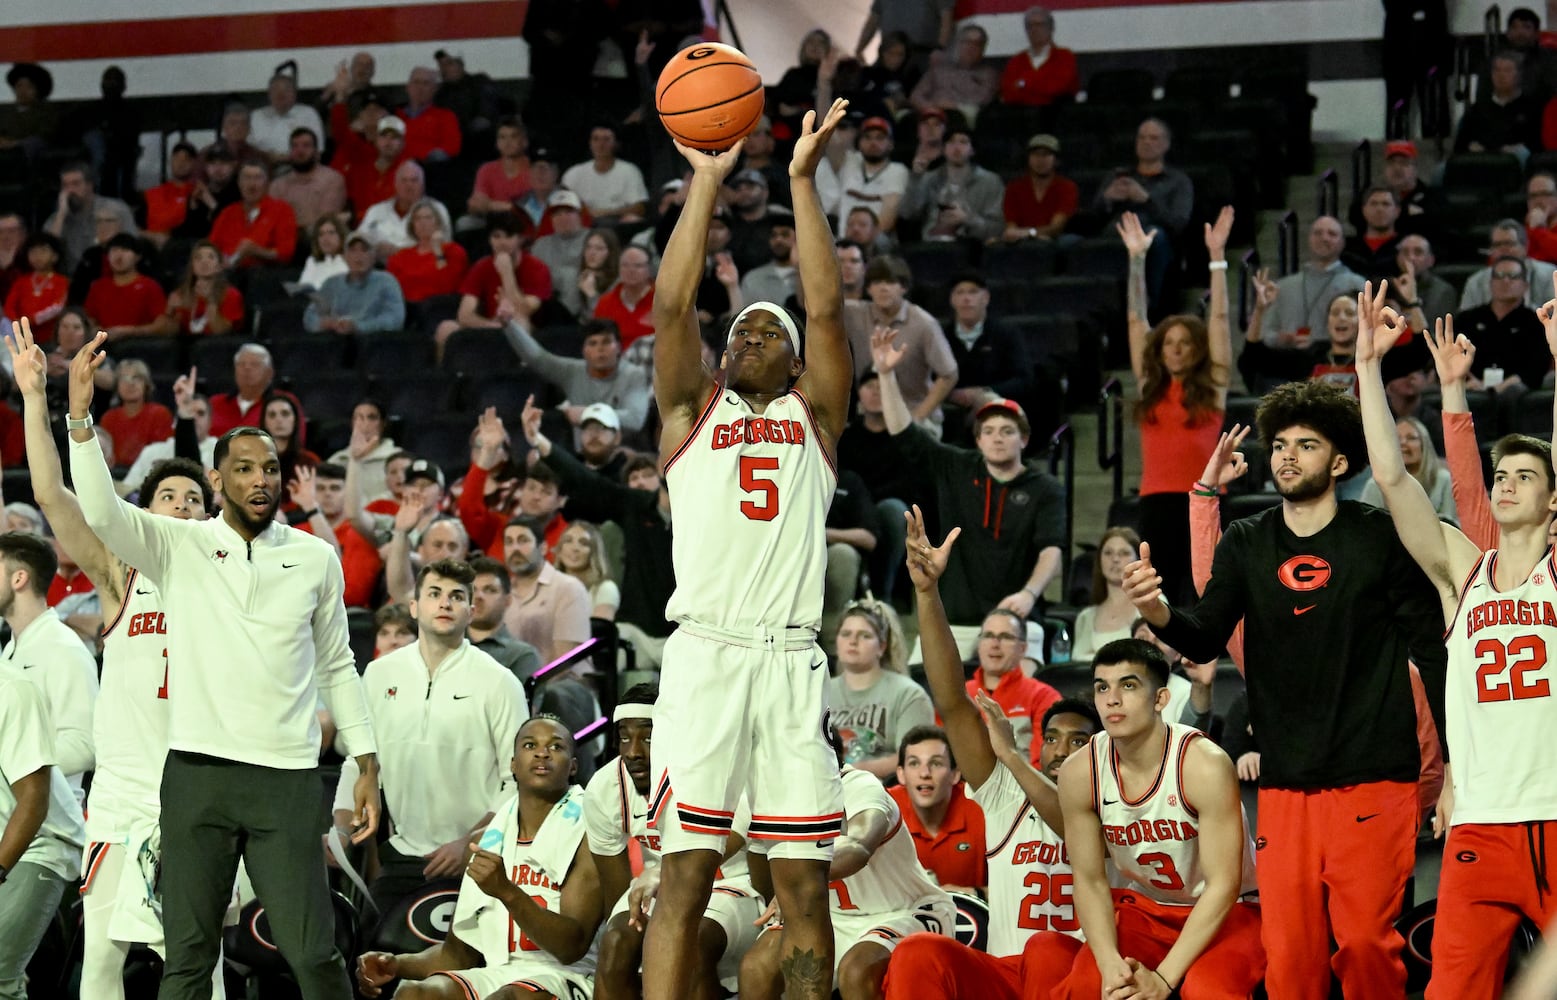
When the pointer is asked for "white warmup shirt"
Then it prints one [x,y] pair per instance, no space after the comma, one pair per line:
[256,629]
[449,738]
[26,744]
[51,655]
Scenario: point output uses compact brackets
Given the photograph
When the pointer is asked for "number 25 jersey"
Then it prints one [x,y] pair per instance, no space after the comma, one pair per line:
[1498,707]
[749,496]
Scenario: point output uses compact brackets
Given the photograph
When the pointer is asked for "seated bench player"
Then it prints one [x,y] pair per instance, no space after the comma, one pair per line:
[529,905]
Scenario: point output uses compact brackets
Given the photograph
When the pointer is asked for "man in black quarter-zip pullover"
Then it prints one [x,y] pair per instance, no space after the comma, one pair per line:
[1012,514]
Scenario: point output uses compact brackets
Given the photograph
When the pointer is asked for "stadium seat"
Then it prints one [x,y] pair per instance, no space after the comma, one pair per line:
[1120,86]
[321,352]
[392,354]
[444,440]
[477,352]
[1493,173]
[1237,506]
[1533,414]
[279,320]
[1022,261]
[1210,85]
[326,394]
[507,393]
[159,353]
[1100,255]
[416,394]
[1051,337]
[1126,511]
[937,263]
[266,285]
[213,356]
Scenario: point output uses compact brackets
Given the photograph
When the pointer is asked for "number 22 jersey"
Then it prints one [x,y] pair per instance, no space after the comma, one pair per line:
[749,495]
[1499,708]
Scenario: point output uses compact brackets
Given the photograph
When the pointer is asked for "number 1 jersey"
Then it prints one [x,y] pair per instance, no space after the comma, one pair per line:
[1499,709]
[749,496]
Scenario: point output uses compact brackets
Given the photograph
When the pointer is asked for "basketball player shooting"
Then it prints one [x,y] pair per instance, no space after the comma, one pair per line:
[1499,800]
[750,468]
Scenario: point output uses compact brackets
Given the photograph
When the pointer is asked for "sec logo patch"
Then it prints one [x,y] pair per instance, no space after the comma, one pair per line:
[1304,573]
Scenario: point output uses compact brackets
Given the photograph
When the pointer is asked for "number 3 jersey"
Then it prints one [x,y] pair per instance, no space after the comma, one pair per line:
[1029,871]
[1499,709]
[749,499]
[1154,840]
[130,727]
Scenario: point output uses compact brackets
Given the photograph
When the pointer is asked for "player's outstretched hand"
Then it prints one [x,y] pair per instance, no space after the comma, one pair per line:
[374,969]
[1452,355]
[926,562]
[1445,811]
[1226,462]
[487,871]
[813,139]
[83,372]
[28,363]
[1002,738]
[1144,587]
[717,165]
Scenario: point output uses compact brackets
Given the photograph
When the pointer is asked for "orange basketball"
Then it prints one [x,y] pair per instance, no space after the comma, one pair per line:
[709,96]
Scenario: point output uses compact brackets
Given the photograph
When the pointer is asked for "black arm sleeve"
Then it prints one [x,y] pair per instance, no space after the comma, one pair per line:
[591,496]
[918,448]
[1201,634]
[186,442]
[1049,522]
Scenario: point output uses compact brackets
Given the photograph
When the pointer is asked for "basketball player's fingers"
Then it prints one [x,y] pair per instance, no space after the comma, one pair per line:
[951,538]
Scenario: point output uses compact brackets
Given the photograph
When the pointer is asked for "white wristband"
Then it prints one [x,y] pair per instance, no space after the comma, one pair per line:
[1218,265]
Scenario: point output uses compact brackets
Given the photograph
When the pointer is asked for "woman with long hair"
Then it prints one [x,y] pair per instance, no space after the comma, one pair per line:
[581,554]
[795,93]
[204,302]
[1424,465]
[596,272]
[326,251]
[1110,612]
[872,699]
[285,422]
[434,264]
[1182,368]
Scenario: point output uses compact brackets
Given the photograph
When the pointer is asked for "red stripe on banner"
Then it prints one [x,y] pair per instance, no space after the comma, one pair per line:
[292,29]
[971,8]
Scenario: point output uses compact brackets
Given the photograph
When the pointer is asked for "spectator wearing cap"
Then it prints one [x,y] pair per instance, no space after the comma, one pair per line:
[370,172]
[1039,203]
[1503,118]
[386,223]
[167,203]
[472,97]
[40,293]
[630,302]
[600,441]
[311,188]
[870,179]
[544,174]
[31,122]
[506,283]
[1509,240]
[776,280]
[216,188]
[611,188]
[271,128]
[751,216]
[252,374]
[1012,513]
[1044,72]
[1372,251]
[927,369]
[993,361]
[963,82]
[431,132]
[362,300]
[434,265]
[74,220]
[1161,196]
[959,199]
[561,248]
[929,147]
[125,302]
[259,229]
[501,184]
[1541,215]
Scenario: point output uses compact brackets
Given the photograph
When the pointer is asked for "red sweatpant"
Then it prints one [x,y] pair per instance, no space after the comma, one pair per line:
[1488,881]
[1229,968]
[1335,862]
[932,967]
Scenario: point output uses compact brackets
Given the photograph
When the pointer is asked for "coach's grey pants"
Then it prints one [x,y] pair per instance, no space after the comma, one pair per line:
[214,810]
[29,898]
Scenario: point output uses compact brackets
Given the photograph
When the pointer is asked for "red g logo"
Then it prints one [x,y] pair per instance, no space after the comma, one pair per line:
[1303,573]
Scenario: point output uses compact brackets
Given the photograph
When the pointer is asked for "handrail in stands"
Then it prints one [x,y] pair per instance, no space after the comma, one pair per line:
[1329,194]
[1287,243]
[1362,167]
[1062,464]
[1110,407]
[1251,267]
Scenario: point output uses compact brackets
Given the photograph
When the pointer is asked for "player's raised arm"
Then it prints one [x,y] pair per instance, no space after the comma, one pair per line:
[1042,793]
[942,664]
[681,382]
[829,371]
[1430,542]
[1548,314]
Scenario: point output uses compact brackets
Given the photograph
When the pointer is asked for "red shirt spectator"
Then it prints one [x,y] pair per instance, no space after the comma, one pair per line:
[132,432]
[954,854]
[424,273]
[369,167]
[258,229]
[485,524]
[482,281]
[360,562]
[1043,72]
[253,371]
[13,437]
[62,586]
[1040,198]
[40,293]
[167,203]
[494,184]
[630,302]
[428,128]
[1020,696]
[193,320]
[125,302]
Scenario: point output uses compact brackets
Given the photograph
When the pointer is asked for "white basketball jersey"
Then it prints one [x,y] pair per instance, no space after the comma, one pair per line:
[1499,708]
[615,813]
[893,880]
[130,726]
[1154,841]
[1030,879]
[749,498]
